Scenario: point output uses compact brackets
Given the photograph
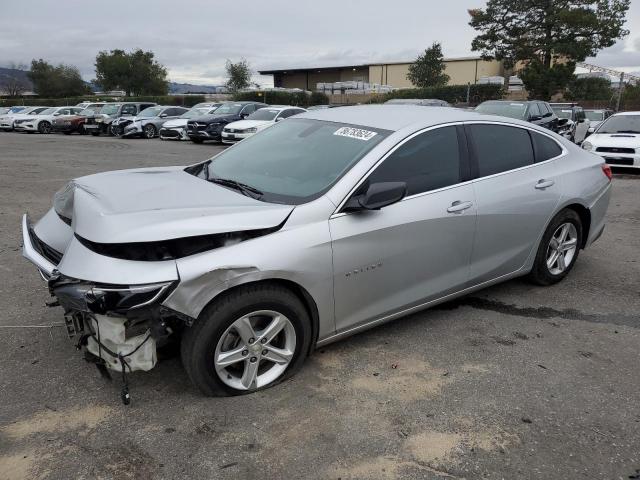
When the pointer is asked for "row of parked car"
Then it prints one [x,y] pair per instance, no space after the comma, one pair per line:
[226,122]
[230,122]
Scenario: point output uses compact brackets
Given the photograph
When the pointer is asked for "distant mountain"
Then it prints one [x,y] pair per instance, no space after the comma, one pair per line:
[174,88]
[182,88]
[11,73]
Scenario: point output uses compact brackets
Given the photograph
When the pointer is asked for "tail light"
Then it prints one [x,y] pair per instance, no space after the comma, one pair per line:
[606,169]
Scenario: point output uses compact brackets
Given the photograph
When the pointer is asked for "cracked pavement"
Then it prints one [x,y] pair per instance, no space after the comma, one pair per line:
[515,381]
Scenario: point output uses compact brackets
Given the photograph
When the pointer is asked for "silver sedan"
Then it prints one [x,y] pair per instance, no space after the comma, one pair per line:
[319,227]
[148,122]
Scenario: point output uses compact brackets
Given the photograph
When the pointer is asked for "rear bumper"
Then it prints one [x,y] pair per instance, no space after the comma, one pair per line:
[598,212]
[64,128]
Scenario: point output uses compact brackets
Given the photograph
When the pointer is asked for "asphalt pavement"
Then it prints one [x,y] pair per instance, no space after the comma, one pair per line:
[515,381]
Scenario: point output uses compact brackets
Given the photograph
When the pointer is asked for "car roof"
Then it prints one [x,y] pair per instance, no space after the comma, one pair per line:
[281,107]
[397,117]
[621,114]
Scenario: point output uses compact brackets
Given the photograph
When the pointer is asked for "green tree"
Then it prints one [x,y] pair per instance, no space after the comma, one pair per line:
[137,73]
[548,36]
[239,75]
[428,69]
[590,88]
[56,81]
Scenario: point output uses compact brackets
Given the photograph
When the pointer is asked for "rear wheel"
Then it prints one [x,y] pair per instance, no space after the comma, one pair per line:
[558,250]
[248,340]
[44,127]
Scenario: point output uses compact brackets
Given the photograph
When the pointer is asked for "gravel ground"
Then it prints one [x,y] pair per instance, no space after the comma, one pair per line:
[515,381]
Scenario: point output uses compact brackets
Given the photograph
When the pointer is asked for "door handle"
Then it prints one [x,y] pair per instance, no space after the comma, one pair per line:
[542,184]
[459,207]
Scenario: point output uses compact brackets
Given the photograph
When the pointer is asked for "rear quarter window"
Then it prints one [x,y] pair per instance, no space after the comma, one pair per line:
[544,147]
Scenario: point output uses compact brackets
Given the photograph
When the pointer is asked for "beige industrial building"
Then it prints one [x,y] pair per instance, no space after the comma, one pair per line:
[460,70]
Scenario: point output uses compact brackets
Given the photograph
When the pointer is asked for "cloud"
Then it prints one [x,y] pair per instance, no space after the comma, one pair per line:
[194,42]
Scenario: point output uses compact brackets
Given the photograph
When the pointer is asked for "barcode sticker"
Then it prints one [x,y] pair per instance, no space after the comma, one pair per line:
[357,133]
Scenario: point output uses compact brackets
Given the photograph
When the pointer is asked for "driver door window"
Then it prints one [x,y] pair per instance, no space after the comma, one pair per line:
[427,162]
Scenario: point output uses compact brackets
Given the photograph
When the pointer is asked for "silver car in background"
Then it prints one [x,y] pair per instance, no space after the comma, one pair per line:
[148,122]
[314,229]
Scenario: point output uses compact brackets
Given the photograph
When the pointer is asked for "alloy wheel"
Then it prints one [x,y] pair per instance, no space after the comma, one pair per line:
[45,127]
[255,350]
[149,131]
[562,248]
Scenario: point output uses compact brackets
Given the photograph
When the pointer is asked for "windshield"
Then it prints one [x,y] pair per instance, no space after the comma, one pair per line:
[87,112]
[620,124]
[110,109]
[16,109]
[263,114]
[229,109]
[49,111]
[295,161]
[594,116]
[150,112]
[506,109]
[196,112]
[563,113]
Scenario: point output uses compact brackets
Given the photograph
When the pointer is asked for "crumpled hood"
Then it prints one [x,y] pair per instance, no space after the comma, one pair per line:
[622,140]
[152,204]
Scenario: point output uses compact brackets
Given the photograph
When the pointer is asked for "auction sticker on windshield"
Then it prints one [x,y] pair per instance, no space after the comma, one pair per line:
[357,133]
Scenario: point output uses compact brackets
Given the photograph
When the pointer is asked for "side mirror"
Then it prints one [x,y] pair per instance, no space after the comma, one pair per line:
[377,196]
[279,118]
[244,115]
[163,115]
[535,118]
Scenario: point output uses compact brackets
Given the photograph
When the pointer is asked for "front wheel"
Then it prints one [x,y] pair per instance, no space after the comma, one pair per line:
[44,127]
[149,131]
[248,340]
[558,250]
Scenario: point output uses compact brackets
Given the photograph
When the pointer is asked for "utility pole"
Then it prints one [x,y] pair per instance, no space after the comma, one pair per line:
[620,90]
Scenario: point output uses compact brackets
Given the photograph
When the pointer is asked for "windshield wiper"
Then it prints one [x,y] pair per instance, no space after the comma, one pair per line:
[245,189]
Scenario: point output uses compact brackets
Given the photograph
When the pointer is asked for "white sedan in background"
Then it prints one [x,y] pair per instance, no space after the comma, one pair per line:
[7,121]
[176,129]
[43,120]
[617,140]
[258,120]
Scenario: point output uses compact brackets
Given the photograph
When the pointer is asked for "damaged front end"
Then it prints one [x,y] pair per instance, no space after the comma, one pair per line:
[119,327]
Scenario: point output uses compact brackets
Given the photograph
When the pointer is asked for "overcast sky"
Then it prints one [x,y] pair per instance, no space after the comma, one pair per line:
[194,38]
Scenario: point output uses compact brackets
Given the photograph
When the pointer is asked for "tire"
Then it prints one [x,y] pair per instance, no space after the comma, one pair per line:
[545,271]
[201,343]
[95,134]
[196,140]
[44,127]
[67,132]
[149,131]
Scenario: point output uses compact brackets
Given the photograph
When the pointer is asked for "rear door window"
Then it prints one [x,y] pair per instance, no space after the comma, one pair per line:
[501,148]
[427,162]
